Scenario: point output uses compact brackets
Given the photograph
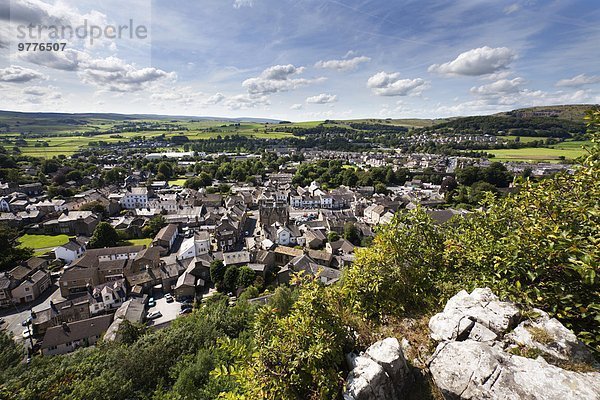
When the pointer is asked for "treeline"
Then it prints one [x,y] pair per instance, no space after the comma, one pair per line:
[333,173]
[532,126]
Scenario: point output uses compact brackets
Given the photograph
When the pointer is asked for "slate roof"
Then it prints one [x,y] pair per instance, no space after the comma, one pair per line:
[78,330]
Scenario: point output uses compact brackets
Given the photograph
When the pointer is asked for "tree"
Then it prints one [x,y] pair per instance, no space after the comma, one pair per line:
[246,277]
[478,191]
[297,355]
[448,184]
[115,175]
[217,272]
[10,352]
[230,278]
[10,253]
[201,181]
[153,226]
[333,236]
[74,175]
[95,206]
[381,188]
[166,169]
[468,175]
[351,233]
[129,332]
[104,236]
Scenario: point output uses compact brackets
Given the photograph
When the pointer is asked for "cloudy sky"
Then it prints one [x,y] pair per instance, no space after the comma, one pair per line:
[303,59]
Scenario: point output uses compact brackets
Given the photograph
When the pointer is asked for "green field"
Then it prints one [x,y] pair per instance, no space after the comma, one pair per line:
[570,150]
[68,145]
[138,242]
[177,182]
[42,244]
[522,139]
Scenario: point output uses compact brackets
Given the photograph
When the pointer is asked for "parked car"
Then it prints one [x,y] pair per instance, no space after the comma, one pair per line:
[187,304]
[1,320]
[27,333]
[185,311]
[27,321]
[153,315]
[151,302]
[169,298]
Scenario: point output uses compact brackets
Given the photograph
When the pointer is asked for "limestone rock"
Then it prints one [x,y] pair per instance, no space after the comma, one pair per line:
[475,370]
[474,359]
[550,337]
[463,311]
[380,373]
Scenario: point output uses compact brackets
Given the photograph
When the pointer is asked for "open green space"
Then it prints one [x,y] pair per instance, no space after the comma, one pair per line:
[522,139]
[42,243]
[138,242]
[177,182]
[570,150]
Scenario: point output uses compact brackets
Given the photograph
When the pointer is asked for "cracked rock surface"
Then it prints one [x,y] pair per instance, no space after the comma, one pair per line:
[380,373]
[472,360]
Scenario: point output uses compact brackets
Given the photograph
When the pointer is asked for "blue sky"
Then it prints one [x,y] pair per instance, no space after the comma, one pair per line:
[306,59]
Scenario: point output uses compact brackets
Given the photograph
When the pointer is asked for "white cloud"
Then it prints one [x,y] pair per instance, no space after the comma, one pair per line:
[296,107]
[278,78]
[47,92]
[384,84]
[480,61]
[245,101]
[67,60]
[17,74]
[500,87]
[243,3]
[215,98]
[322,98]
[512,8]
[579,80]
[343,65]
[113,74]
[186,96]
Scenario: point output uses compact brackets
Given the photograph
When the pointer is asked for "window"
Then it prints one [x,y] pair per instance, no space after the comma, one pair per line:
[27,289]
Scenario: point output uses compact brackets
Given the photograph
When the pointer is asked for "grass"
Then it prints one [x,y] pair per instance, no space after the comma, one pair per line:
[68,145]
[42,244]
[138,242]
[569,150]
[522,139]
[177,182]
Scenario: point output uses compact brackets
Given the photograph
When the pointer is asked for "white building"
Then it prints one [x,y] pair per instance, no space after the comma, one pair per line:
[71,250]
[107,296]
[196,245]
[135,198]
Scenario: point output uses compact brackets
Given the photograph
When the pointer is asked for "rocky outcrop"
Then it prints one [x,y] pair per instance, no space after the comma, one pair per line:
[478,354]
[479,314]
[380,373]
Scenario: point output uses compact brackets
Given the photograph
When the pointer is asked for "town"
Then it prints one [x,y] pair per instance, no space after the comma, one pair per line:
[146,250]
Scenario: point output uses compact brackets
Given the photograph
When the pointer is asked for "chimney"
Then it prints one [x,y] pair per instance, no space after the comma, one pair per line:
[65,327]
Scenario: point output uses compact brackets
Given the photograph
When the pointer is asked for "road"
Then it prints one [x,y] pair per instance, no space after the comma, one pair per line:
[16,314]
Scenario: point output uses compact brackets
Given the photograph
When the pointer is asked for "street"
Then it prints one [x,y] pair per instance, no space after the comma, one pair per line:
[16,314]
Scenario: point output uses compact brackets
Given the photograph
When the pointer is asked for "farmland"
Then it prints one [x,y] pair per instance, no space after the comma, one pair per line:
[569,150]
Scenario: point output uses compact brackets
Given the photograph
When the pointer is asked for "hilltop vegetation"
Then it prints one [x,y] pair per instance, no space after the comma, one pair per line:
[511,125]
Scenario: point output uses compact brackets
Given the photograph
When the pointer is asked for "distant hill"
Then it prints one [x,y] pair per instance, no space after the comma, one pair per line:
[127,117]
[571,112]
